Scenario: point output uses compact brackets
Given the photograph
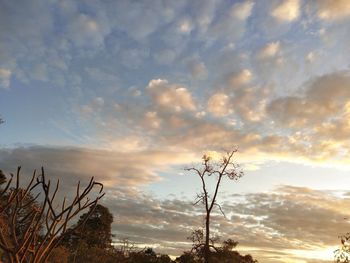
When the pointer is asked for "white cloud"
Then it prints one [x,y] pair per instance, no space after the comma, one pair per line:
[269,50]
[5,77]
[185,26]
[219,105]
[310,57]
[287,11]
[333,9]
[152,120]
[242,10]
[169,96]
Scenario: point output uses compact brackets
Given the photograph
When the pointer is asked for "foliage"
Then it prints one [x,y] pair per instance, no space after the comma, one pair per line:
[92,254]
[95,232]
[92,241]
[225,253]
[59,254]
[342,255]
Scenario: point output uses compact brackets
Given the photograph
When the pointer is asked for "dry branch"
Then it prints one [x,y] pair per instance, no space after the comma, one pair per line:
[30,230]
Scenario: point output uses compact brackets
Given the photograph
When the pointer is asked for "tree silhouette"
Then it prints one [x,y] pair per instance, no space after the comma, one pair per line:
[225,168]
[29,229]
[92,240]
[342,255]
[96,231]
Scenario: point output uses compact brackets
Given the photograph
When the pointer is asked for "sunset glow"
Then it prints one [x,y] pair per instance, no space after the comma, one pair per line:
[134,92]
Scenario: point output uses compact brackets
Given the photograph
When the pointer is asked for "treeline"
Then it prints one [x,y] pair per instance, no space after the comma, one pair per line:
[35,228]
[92,243]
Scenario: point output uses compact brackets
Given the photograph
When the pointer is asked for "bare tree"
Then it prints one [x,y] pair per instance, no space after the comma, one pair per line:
[30,230]
[225,168]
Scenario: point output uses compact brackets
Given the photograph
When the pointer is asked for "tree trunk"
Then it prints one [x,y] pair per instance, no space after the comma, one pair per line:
[207,233]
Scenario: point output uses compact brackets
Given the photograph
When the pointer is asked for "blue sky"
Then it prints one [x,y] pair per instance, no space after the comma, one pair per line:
[136,90]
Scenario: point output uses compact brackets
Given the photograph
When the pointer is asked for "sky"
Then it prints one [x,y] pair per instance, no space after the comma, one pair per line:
[133,92]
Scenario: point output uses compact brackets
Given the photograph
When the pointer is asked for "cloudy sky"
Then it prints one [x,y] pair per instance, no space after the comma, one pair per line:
[134,91]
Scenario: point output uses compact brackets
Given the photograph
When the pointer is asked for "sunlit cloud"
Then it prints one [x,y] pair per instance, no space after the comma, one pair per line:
[5,76]
[242,10]
[269,50]
[132,92]
[240,78]
[174,97]
[287,11]
[122,168]
[333,10]
[218,104]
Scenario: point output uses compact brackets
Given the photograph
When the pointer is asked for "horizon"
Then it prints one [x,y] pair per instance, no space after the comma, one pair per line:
[133,92]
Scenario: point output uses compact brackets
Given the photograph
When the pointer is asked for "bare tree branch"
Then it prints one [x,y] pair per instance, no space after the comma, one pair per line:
[22,219]
[225,168]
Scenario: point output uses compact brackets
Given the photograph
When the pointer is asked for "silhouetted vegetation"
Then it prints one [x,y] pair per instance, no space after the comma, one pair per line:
[35,227]
[225,168]
[32,221]
[342,255]
[93,239]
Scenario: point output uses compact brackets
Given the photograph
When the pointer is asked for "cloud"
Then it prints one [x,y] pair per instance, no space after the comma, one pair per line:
[242,10]
[287,11]
[324,97]
[239,78]
[152,120]
[198,69]
[310,57]
[86,31]
[289,220]
[185,26]
[5,78]
[288,127]
[317,118]
[218,105]
[139,19]
[230,25]
[275,226]
[270,50]
[333,10]
[169,96]
[113,168]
